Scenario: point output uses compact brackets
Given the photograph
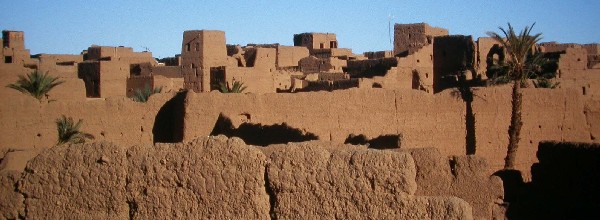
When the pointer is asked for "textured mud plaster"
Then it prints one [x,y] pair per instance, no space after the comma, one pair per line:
[76,182]
[11,201]
[465,177]
[208,178]
[312,181]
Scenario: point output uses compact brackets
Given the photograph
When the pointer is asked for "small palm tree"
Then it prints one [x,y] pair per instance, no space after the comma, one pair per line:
[238,87]
[520,50]
[35,84]
[142,95]
[68,131]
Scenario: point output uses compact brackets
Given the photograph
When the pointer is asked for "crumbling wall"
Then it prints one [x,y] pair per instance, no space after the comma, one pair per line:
[465,177]
[409,38]
[216,177]
[351,183]
[548,114]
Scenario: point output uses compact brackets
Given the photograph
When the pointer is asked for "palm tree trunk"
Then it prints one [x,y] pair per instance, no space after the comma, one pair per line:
[514,131]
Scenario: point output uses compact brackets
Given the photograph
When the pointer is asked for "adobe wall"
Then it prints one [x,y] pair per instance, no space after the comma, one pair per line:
[265,59]
[484,49]
[452,55]
[28,123]
[409,38]
[139,83]
[465,177]
[378,54]
[203,48]
[113,78]
[315,40]
[168,85]
[61,65]
[216,177]
[548,114]
[573,59]
[256,79]
[124,54]
[416,70]
[288,56]
[424,120]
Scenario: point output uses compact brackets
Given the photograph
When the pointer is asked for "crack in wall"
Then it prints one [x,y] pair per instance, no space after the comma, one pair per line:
[271,193]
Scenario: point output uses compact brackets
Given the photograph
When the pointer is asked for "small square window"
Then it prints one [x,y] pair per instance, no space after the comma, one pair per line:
[8,59]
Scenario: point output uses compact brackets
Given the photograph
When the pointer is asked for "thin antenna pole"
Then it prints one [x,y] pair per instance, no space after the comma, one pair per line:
[390,18]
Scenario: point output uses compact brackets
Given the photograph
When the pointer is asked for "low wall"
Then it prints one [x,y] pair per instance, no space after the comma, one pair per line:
[216,177]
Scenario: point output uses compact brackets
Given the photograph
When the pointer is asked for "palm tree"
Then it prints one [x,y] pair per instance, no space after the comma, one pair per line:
[68,131]
[35,84]
[519,48]
[142,95]
[238,87]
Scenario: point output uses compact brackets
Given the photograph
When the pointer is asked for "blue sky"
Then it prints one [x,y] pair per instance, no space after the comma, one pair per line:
[68,27]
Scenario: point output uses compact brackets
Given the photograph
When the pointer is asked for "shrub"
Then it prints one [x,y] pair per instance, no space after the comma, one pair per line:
[68,131]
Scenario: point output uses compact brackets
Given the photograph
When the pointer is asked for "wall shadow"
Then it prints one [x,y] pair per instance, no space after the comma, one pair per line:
[168,123]
[565,184]
[388,141]
[261,135]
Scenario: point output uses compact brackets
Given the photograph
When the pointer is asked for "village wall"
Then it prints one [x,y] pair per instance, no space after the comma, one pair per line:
[334,116]
[548,114]
[29,123]
[422,119]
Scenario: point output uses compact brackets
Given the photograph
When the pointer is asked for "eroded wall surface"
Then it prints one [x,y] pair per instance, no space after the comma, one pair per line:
[216,177]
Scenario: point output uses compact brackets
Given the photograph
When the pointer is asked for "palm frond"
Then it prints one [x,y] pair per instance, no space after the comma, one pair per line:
[238,87]
[35,84]
[68,131]
[142,95]
[523,61]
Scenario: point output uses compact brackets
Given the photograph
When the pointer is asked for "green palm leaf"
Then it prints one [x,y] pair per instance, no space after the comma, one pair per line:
[35,84]
[68,131]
